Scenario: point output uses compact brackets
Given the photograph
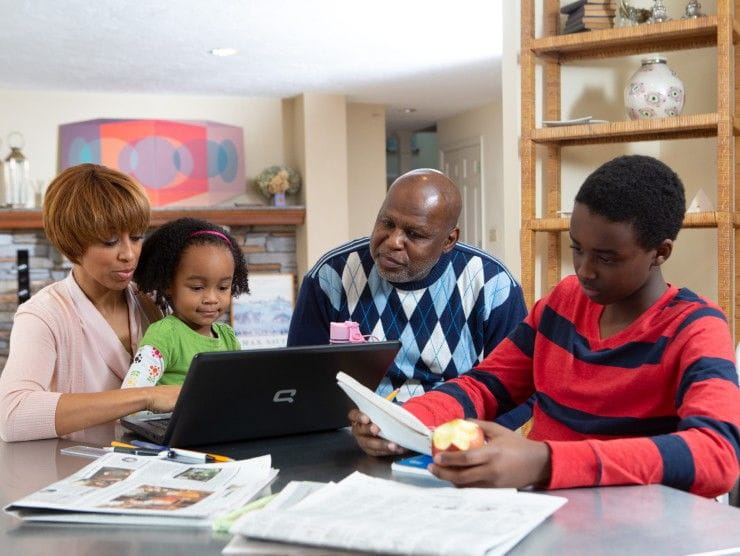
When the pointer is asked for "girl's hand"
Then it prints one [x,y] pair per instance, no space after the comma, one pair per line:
[366,434]
[507,460]
[161,399]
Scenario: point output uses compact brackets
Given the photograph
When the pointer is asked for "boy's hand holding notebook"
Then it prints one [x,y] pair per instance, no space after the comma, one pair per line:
[395,423]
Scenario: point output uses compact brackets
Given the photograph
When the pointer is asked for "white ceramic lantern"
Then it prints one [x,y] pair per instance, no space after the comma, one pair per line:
[16,174]
[654,91]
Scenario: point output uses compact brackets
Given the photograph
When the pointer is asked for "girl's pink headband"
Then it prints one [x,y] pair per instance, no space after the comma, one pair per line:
[212,233]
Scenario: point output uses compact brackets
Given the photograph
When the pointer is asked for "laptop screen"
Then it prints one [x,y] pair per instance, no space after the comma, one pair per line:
[249,394]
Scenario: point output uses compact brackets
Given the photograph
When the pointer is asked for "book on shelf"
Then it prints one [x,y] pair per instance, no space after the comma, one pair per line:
[597,22]
[395,423]
[127,489]
[587,23]
[578,4]
[384,516]
[572,7]
[592,10]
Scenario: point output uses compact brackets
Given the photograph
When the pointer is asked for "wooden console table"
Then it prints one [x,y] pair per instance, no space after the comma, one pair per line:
[30,219]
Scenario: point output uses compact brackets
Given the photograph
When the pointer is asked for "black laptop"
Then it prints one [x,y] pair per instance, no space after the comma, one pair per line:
[243,395]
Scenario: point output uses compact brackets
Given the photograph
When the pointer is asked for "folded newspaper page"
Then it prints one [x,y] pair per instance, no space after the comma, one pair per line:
[377,515]
[130,490]
[395,423]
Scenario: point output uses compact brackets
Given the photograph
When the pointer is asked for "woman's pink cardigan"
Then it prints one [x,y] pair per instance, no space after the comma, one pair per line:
[59,344]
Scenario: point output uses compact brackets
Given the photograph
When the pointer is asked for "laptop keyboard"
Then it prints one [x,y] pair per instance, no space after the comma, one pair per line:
[159,425]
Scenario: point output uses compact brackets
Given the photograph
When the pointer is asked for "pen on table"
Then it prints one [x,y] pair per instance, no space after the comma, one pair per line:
[149,445]
[392,395]
[118,444]
[135,451]
[199,457]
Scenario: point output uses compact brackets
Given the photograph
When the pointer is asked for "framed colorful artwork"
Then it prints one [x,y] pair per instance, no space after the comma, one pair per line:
[261,318]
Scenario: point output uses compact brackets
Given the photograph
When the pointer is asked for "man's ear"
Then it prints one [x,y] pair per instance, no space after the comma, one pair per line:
[451,240]
[663,252]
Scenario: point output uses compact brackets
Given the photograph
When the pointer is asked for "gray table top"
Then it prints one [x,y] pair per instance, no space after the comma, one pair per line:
[615,520]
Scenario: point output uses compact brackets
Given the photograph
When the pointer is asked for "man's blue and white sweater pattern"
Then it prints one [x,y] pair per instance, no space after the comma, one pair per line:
[446,322]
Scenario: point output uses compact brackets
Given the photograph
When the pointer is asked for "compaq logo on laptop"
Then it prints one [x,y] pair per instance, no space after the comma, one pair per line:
[284,396]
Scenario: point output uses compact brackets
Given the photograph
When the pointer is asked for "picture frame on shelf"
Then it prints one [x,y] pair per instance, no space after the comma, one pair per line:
[261,318]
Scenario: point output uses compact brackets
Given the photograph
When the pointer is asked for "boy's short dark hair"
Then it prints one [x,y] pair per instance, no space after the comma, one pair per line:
[640,190]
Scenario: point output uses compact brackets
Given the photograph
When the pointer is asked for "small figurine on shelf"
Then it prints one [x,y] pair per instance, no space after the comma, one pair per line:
[659,13]
[277,181]
[693,10]
[629,16]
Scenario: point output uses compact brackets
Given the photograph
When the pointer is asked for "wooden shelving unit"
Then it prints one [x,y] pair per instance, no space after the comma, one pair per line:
[30,219]
[553,50]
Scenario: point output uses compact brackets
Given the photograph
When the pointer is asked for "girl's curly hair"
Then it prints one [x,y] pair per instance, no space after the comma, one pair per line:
[162,251]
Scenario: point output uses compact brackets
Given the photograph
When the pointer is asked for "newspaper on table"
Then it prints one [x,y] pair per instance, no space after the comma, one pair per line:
[125,489]
[378,515]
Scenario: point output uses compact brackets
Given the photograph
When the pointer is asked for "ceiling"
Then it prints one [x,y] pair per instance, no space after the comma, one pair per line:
[419,54]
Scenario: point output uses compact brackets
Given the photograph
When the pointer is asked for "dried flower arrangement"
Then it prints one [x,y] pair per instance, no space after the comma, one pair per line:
[278,179]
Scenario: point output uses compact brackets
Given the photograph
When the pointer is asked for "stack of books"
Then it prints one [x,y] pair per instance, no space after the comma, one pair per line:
[587,15]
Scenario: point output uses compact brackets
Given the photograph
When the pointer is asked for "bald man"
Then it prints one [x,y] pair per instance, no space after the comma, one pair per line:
[448,303]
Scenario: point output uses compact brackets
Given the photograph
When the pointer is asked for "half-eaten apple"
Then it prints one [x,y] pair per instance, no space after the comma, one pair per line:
[457,435]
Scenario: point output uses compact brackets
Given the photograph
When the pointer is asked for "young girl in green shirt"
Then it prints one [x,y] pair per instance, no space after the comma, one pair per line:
[193,268]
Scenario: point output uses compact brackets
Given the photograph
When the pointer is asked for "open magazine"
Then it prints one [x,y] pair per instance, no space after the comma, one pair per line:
[378,515]
[125,489]
[395,423]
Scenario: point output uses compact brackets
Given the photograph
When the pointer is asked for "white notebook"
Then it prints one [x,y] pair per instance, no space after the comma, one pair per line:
[395,423]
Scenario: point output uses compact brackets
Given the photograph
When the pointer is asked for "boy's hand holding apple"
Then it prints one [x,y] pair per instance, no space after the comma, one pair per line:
[457,435]
[506,459]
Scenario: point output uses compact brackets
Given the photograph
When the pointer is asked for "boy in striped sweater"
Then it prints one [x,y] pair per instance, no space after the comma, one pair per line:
[633,379]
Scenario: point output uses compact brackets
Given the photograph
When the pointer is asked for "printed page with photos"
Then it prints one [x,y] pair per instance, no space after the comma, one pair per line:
[354,514]
[126,489]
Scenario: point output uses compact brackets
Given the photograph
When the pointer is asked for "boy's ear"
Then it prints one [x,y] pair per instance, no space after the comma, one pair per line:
[663,252]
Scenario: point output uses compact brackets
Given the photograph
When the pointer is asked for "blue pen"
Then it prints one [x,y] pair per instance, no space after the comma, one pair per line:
[148,445]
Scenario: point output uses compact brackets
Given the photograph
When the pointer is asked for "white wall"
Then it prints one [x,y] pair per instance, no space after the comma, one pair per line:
[366,165]
[509,138]
[37,114]
[324,122]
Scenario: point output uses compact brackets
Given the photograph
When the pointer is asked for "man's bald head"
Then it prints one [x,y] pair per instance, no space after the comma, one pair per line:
[435,188]
[416,225]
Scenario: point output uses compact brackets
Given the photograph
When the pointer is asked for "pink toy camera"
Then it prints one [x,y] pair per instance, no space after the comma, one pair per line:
[345,332]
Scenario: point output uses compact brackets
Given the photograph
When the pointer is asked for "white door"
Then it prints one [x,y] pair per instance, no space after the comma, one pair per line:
[463,166]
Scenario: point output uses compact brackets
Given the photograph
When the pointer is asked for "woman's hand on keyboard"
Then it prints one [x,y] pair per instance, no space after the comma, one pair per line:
[161,399]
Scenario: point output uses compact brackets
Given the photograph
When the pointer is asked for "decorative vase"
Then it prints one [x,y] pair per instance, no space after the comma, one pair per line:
[278,199]
[16,174]
[653,91]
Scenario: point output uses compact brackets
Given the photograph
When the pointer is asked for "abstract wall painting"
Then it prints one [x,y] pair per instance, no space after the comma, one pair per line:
[179,163]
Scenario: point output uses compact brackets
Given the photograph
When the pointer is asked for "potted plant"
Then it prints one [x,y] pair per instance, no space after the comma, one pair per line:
[275,182]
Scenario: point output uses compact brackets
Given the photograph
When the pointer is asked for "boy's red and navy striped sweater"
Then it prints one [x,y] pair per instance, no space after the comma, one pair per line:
[657,402]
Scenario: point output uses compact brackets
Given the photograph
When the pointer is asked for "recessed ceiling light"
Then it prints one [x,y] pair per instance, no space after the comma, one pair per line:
[223,51]
[408,110]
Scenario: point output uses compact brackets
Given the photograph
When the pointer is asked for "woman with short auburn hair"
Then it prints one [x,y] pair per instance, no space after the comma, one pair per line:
[71,343]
